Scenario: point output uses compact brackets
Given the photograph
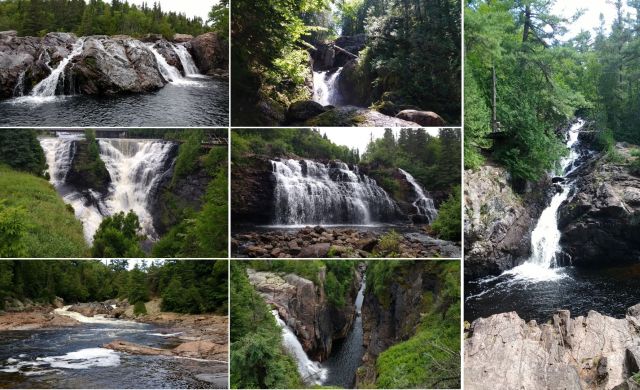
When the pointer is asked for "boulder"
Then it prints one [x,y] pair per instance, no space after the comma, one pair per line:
[182,38]
[303,110]
[209,52]
[110,66]
[352,116]
[315,251]
[152,38]
[423,118]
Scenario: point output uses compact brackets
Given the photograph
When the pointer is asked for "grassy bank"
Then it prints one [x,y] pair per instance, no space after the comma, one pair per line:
[50,227]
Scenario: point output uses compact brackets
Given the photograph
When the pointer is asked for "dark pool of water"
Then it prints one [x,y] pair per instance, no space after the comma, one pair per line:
[206,104]
[73,358]
[608,291]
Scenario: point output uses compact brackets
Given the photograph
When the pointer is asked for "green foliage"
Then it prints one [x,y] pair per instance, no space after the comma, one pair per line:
[305,143]
[188,155]
[139,309]
[88,170]
[432,161]
[118,236]
[258,359]
[389,245]
[202,284]
[98,17]
[33,213]
[203,233]
[634,167]
[448,225]
[20,149]
[13,231]
[219,19]
[431,357]
[477,123]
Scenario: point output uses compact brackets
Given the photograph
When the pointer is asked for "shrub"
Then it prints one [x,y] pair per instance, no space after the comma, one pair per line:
[139,309]
[448,225]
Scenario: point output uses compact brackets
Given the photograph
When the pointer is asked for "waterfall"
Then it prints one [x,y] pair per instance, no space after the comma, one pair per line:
[169,72]
[309,192]
[325,88]
[311,372]
[136,168]
[49,86]
[423,204]
[190,68]
[545,238]
[18,90]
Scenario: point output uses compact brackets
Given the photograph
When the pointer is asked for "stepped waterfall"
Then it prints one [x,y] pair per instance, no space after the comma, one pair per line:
[309,192]
[325,87]
[136,168]
[424,205]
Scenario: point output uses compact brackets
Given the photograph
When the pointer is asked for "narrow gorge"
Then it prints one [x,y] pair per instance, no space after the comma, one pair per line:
[340,331]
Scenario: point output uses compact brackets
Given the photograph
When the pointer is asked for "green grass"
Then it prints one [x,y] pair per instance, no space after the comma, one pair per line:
[52,229]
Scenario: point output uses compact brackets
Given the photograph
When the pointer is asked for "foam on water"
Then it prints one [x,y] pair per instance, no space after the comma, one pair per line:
[98,319]
[78,360]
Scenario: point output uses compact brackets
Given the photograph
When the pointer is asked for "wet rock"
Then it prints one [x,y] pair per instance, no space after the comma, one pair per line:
[423,118]
[599,219]
[90,309]
[109,66]
[167,51]
[303,110]
[350,116]
[498,221]
[135,349]
[218,381]
[315,251]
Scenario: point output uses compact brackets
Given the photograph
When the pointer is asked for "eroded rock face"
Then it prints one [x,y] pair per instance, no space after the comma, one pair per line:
[498,222]
[115,65]
[252,187]
[209,53]
[592,352]
[600,220]
[304,307]
[23,60]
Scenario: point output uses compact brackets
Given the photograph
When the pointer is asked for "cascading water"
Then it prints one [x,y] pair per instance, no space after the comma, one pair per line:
[311,372]
[49,86]
[325,87]
[309,192]
[423,204]
[189,66]
[18,90]
[135,166]
[545,238]
[170,73]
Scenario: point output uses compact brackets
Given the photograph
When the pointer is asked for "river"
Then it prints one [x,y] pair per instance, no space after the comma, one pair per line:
[200,102]
[72,357]
[540,286]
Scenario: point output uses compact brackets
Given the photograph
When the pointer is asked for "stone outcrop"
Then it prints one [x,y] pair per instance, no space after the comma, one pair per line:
[423,118]
[87,172]
[303,110]
[498,221]
[252,187]
[592,352]
[319,242]
[304,307]
[326,56]
[209,53]
[352,116]
[112,65]
[600,219]
[24,60]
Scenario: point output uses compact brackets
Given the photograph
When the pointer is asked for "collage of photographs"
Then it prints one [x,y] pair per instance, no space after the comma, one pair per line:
[291,194]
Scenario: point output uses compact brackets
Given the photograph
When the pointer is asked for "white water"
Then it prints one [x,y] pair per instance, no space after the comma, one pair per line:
[135,166]
[46,89]
[423,204]
[311,372]
[308,192]
[77,360]
[545,238]
[97,319]
[189,66]
[169,72]
[325,87]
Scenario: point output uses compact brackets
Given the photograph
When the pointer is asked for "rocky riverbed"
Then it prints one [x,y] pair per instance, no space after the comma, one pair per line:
[320,242]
